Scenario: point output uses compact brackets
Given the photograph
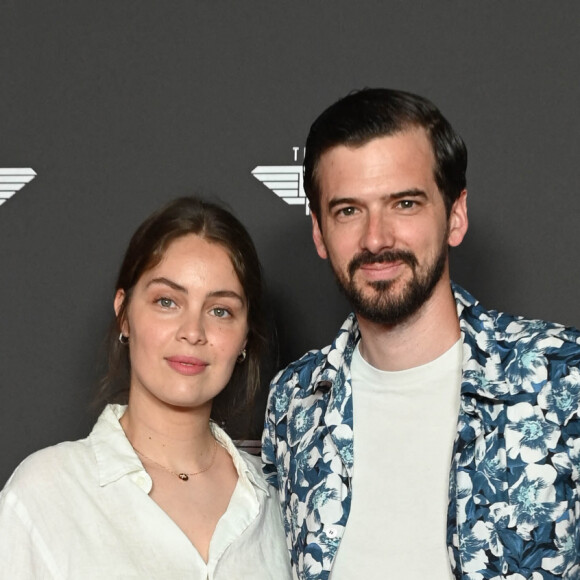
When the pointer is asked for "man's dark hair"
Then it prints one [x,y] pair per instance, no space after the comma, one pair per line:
[371,113]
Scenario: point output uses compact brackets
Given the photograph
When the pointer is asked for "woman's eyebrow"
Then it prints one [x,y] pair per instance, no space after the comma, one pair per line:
[168,282]
[226,294]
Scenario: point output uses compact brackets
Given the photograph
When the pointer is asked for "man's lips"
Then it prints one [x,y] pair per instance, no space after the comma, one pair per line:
[385,262]
[381,265]
[186,365]
[381,270]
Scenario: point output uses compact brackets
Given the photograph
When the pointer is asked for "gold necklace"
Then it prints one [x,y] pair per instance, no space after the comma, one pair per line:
[183,476]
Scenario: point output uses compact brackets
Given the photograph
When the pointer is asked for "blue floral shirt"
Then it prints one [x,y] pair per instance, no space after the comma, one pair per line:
[514,500]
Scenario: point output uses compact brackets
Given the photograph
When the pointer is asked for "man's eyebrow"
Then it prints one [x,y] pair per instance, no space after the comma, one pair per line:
[167,282]
[341,201]
[413,192]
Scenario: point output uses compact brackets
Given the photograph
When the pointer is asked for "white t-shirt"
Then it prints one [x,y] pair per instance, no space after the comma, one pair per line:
[82,510]
[404,428]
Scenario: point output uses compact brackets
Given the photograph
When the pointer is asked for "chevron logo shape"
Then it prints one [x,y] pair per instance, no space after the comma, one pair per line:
[14,179]
[286,181]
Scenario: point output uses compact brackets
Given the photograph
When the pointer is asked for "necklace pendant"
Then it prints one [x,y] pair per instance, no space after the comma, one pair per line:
[183,476]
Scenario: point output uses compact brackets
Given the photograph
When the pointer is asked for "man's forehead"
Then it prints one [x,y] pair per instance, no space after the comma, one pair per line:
[406,152]
[414,134]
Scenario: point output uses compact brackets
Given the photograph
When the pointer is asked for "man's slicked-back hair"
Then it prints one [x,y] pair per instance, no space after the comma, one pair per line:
[368,114]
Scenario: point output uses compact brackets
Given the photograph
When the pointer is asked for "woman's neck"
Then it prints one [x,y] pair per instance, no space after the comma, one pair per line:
[177,438]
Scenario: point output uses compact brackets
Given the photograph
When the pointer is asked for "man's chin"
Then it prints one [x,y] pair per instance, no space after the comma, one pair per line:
[380,298]
[374,288]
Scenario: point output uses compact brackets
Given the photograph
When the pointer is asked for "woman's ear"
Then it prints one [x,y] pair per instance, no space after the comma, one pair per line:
[117,304]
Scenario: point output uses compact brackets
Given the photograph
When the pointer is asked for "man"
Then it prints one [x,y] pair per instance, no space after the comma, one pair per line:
[360,435]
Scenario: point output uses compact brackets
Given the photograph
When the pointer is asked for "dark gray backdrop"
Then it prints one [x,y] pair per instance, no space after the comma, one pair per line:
[121,106]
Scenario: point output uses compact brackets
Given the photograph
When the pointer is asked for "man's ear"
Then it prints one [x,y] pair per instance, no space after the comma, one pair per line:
[117,303]
[458,221]
[317,237]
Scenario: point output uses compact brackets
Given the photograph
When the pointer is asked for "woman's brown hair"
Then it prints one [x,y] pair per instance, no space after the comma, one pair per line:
[182,217]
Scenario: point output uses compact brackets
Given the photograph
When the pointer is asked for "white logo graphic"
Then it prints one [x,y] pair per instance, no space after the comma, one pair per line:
[286,181]
[14,179]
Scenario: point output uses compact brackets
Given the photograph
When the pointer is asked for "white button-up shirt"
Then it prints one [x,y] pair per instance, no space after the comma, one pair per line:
[82,510]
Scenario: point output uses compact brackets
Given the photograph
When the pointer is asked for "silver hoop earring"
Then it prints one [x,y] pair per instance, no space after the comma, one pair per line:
[123,339]
[242,356]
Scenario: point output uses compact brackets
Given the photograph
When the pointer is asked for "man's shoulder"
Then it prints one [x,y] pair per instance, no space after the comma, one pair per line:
[301,371]
[513,328]
[510,327]
[516,354]
[321,364]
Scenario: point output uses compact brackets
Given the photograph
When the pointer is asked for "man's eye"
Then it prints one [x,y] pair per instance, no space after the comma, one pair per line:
[347,211]
[221,312]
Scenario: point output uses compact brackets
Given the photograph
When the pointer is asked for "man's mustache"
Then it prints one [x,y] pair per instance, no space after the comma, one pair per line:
[387,256]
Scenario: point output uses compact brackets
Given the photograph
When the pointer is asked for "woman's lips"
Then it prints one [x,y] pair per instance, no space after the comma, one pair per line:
[186,365]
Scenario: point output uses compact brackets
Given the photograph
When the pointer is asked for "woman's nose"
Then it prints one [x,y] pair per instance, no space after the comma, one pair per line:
[192,328]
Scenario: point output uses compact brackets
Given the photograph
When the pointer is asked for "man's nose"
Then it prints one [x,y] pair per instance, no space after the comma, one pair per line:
[379,232]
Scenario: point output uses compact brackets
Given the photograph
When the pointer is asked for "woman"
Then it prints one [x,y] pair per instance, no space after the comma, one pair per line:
[158,490]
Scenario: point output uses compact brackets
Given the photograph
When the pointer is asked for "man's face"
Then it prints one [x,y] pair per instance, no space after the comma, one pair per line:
[383,224]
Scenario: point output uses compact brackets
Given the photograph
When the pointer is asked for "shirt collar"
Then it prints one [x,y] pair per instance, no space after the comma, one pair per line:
[245,468]
[483,366]
[474,322]
[338,354]
[114,454]
[116,457]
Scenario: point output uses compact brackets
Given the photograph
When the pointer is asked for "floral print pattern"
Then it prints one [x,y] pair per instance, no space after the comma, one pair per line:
[514,501]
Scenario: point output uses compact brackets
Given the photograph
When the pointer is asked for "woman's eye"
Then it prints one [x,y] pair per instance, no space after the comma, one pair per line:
[221,312]
[165,302]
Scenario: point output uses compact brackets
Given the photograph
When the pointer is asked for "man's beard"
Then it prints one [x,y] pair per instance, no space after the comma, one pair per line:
[385,307]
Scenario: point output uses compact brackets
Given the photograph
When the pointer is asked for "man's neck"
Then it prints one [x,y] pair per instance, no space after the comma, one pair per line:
[426,335]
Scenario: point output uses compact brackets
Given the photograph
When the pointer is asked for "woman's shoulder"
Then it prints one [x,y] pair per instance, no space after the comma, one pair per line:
[51,468]
[253,462]
[254,472]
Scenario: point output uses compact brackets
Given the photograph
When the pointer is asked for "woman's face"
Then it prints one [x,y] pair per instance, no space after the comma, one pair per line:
[187,323]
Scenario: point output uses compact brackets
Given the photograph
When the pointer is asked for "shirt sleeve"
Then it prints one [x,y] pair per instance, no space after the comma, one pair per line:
[23,551]
[269,440]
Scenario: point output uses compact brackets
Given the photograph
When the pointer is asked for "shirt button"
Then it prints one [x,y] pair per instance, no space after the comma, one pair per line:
[141,481]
